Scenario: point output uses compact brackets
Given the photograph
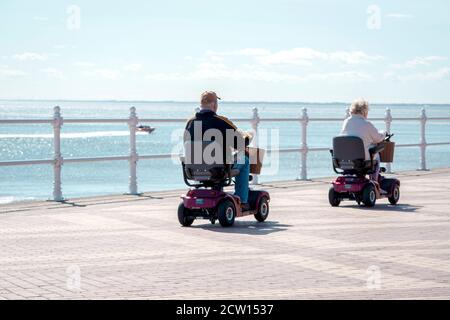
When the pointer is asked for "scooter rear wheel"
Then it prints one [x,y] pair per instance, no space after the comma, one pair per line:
[333,197]
[183,216]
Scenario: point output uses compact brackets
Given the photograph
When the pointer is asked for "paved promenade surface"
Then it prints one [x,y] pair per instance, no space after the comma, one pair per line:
[133,247]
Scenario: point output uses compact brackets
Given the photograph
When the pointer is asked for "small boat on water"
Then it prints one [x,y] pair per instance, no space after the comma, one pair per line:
[146,129]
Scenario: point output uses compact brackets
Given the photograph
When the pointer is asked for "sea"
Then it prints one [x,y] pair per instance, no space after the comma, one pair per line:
[35,141]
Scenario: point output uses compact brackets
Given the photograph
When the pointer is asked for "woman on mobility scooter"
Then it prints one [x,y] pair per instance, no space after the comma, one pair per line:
[356,153]
[209,142]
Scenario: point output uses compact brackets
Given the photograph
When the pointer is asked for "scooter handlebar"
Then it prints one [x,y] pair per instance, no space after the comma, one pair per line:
[388,136]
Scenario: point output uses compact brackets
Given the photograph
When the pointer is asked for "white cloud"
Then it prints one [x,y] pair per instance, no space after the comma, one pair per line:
[165,76]
[135,67]
[340,76]
[219,71]
[419,61]
[53,72]
[5,71]
[108,74]
[305,56]
[353,57]
[84,64]
[253,52]
[216,59]
[242,52]
[439,74]
[263,66]
[400,15]
[29,56]
[296,56]
[300,56]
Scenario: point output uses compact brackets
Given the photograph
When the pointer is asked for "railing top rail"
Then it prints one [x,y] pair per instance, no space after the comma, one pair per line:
[438,118]
[162,120]
[25,121]
[95,120]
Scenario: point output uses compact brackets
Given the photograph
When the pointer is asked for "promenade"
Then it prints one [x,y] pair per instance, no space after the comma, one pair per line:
[118,247]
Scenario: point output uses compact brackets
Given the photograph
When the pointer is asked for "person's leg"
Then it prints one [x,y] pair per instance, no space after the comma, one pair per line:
[241,186]
[374,176]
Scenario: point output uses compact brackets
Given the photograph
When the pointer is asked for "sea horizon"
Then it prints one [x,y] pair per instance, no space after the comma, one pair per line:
[226,101]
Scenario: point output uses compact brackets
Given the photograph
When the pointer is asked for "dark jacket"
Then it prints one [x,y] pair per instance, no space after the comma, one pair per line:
[232,138]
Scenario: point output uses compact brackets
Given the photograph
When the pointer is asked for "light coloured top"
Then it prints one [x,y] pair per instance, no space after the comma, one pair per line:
[357,125]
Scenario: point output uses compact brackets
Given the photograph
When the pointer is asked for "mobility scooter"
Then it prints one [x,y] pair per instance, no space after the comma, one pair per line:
[207,200]
[349,161]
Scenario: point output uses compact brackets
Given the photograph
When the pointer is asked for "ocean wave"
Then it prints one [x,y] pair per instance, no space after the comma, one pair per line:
[71,135]
[11,199]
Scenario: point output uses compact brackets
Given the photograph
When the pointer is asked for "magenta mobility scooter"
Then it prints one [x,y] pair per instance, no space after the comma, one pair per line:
[207,199]
[353,184]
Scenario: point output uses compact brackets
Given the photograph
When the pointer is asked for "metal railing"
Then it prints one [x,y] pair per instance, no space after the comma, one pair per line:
[57,122]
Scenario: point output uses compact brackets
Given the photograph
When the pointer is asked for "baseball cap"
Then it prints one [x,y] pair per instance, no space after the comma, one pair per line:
[208,97]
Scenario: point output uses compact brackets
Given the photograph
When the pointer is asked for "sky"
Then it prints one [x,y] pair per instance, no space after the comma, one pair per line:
[394,51]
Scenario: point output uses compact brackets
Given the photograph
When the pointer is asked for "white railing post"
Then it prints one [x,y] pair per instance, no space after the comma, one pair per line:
[132,123]
[255,123]
[423,141]
[57,157]
[387,123]
[304,152]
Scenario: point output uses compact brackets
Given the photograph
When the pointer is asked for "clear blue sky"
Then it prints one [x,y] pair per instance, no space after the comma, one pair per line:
[285,50]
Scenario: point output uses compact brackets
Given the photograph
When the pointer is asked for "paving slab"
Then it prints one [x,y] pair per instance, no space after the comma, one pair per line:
[132,247]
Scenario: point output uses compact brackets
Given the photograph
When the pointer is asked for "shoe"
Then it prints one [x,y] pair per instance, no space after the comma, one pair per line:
[245,206]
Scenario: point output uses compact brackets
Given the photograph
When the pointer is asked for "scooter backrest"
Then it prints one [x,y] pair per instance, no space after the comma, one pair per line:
[204,160]
[348,148]
[203,152]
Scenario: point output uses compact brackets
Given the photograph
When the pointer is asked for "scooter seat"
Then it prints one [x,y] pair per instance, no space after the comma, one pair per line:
[209,174]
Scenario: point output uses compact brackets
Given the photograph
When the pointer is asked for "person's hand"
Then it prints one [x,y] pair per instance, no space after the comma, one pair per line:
[247,135]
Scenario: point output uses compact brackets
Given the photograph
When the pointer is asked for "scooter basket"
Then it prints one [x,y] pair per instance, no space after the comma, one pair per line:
[387,154]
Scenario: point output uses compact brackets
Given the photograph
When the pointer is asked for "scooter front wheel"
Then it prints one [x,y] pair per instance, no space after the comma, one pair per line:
[393,199]
[263,210]
[226,212]
[369,196]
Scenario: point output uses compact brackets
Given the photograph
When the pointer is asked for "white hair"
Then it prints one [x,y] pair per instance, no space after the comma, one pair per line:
[359,106]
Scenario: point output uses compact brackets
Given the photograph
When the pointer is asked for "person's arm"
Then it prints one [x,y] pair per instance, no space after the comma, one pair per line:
[344,126]
[246,136]
[375,135]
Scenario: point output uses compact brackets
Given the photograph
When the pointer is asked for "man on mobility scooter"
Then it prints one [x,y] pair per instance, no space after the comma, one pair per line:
[356,154]
[215,152]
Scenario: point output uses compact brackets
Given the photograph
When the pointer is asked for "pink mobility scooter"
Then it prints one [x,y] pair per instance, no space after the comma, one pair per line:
[207,200]
[349,161]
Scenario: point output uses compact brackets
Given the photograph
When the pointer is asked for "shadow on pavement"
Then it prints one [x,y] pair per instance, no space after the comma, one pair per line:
[73,204]
[404,207]
[247,227]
